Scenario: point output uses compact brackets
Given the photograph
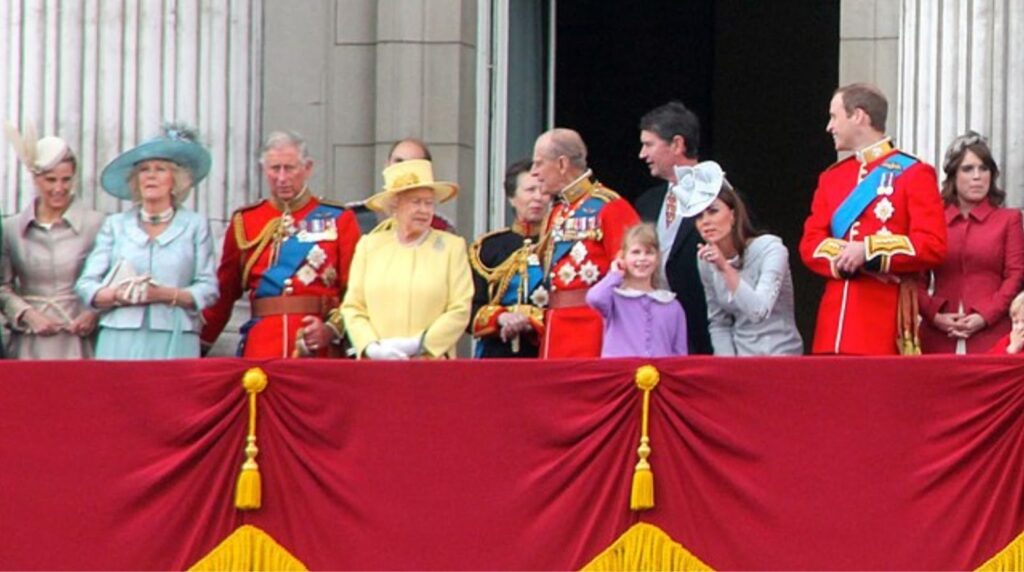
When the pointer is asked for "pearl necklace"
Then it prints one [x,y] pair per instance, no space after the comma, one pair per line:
[158,218]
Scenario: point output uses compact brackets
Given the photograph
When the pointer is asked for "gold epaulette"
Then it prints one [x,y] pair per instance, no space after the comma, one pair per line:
[604,193]
[255,247]
[911,155]
[249,206]
[474,254]
[331,203]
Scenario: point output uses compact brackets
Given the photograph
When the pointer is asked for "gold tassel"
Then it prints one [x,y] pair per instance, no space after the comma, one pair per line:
[249,492]
[642,495]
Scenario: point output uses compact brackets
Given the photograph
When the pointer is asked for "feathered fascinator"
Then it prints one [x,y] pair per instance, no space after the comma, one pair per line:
[38,155]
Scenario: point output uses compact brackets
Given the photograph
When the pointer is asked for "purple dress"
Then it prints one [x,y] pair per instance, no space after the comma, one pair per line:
[638,324]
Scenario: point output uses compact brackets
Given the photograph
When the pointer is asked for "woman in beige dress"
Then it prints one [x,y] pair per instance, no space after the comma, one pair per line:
[43,250]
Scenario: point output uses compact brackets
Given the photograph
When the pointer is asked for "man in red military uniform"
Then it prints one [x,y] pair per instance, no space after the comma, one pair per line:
[292,253]
[876,220]
[582,235]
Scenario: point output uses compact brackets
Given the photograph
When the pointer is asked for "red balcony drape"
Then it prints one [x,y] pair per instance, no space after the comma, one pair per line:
[784,463]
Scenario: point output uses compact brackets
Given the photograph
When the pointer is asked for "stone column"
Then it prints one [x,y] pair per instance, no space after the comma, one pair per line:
[962,67]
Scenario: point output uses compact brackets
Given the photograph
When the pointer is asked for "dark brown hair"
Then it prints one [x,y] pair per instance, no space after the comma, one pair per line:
[743,230]
[996,196]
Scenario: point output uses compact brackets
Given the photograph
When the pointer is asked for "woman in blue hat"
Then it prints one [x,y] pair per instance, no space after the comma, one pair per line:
[152,269]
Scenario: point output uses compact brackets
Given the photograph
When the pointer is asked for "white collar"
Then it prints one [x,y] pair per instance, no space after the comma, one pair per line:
[658,295]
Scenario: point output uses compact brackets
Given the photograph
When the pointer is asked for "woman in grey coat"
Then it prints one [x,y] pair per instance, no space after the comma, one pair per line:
[745,274]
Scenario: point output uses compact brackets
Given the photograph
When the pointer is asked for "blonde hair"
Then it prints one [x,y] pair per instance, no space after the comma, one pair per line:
[182,181]
[644,234]
[1017,306]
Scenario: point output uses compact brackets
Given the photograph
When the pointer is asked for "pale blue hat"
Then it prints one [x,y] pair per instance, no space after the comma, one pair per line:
[177,144]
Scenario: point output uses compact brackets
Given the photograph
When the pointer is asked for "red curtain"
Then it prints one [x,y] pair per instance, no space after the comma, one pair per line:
[784,463]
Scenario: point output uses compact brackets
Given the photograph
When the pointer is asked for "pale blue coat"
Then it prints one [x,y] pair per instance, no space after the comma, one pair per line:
[181,256]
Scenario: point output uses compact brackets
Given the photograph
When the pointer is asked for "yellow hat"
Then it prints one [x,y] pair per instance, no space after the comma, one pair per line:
[407,176]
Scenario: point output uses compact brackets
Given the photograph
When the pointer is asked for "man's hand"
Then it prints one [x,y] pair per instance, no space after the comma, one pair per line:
[851,258]
[315,334]
[512,324]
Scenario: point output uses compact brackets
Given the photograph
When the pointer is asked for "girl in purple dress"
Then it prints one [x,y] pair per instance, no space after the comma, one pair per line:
[640,319]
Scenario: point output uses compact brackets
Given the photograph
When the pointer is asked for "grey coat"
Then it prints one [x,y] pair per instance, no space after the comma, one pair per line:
[758,318]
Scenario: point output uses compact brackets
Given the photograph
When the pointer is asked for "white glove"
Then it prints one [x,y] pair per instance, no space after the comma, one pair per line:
[408,346]
[380,351]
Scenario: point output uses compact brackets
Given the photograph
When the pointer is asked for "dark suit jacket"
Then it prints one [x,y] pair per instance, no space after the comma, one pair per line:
[681,270]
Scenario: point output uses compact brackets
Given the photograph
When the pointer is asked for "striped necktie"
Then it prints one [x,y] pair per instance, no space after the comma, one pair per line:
[670,208]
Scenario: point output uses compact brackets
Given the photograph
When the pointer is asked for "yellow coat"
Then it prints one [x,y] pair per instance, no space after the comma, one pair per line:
[397,291]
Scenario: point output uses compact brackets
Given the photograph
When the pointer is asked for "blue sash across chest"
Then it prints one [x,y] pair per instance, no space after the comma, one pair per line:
[534,278]
[867,190]
[576,227]
[290,256]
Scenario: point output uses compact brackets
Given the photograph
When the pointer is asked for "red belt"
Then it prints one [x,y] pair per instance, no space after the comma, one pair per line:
[278,305]
[567,298]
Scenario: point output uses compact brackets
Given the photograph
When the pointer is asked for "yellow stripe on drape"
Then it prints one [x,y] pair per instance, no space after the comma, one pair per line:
[248,548]
[1009,558]
[645,547]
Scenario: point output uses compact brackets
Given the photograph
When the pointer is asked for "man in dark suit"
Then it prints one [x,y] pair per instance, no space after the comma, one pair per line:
[669,137]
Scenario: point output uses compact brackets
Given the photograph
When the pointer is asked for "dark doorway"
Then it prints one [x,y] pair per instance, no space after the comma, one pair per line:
[758,74]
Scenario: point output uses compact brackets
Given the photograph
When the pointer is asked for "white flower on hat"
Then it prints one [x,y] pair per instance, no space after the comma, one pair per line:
[697,186]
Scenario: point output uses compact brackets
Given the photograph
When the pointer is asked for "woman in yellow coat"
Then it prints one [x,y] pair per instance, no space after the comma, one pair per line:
[410,286]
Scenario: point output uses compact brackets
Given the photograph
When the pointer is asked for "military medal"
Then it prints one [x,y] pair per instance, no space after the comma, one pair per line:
[885,186]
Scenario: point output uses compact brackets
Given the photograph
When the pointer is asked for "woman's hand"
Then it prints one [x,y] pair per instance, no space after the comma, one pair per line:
[107,297]
[84,324]
[967,326]
[40,324]
[946,322]
[379,351]
[710,253]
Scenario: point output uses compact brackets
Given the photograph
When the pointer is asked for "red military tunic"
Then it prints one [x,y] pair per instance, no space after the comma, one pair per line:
[252,247]
[904,233]
[583,234]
